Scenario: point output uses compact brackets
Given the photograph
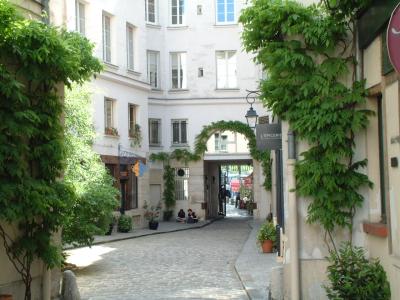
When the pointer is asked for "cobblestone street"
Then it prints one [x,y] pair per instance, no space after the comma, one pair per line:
[192,264]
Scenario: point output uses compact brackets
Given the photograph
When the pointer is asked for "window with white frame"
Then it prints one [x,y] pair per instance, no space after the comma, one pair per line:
[130,30]
[178,70]
[108,114]
[155,132]
[226,69]
[80,17]
[106,38]
[132,109]
[179,132]
[153,62]
[221,141]
[151,11]
[182,183]
[177,12]
[225,11]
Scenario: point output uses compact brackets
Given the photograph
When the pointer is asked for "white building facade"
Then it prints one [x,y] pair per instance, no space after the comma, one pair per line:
[171,67]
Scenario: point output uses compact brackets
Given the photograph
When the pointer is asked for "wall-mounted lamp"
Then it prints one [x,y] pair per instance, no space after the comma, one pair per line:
[251,115]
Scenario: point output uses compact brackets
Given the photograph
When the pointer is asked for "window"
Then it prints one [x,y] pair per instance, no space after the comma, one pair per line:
[130,46]
[155,132]
[108,113]
[178,70]
[226,69]
[80,17]
[177,12]
[179,132]
[225,11]
[153,60]
[221,141]
[182,183]
[151,11]
[106,38]
[132,118]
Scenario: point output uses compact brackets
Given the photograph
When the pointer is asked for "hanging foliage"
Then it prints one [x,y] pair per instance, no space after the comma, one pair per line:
[34,60]
[308,54]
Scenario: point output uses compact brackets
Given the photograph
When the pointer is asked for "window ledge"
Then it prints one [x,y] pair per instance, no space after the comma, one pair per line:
[133,72]
[110,65]
[111,136]
[156,146]
[227,89]
[180,145]
[224,25]
[376,229]
[178,91]
[152,25]
[155,90]
[177,27]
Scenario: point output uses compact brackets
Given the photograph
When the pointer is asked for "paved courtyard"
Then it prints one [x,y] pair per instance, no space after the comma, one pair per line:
[193,264]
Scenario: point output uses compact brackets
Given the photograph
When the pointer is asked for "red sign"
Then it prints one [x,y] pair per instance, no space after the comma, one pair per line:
[393,39]
[235,185]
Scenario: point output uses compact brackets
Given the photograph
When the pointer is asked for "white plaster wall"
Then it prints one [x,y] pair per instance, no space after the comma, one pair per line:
[372,63]
[200,38]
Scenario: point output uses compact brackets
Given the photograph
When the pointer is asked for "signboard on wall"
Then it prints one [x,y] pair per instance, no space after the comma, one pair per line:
[393,39]
[269,136]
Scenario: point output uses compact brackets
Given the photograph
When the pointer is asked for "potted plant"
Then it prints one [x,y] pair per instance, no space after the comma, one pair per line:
[124,223]
[111,131]
[267,236]
[152,215]
[113,221]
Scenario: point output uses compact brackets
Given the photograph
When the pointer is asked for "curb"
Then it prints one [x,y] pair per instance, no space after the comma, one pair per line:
[146,234]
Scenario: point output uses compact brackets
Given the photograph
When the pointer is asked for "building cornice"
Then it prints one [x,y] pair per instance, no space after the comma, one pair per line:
[125,80]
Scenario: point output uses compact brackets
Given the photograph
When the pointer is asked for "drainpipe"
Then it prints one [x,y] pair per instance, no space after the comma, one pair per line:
[293,223]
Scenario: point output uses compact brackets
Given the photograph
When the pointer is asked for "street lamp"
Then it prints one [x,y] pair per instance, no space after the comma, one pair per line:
[251,115]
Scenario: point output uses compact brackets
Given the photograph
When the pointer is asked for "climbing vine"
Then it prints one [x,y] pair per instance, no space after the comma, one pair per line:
[35,59]
[308,53]
[201,147]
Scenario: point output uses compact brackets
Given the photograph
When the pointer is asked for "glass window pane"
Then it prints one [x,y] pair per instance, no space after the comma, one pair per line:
[175,132]
[183,71]
[183,132]
[221,70]
[232,78]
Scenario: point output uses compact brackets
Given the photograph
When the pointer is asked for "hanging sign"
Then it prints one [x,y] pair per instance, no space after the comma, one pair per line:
[393,39]
[269,136]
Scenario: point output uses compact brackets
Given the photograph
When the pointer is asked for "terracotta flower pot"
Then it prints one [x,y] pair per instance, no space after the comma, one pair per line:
[6,297]
[267,246]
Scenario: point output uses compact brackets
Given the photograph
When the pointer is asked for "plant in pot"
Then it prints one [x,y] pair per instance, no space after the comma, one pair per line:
[152,214]
[266,236]
[124,223]
[113,221]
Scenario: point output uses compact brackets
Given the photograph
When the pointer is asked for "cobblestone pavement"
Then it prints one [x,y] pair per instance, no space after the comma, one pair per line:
[193,264]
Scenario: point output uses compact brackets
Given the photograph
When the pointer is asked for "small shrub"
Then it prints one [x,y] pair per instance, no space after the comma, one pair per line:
[266,232]
[352,276]
[124,223]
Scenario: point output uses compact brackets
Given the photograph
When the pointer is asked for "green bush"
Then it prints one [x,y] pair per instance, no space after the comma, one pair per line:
[352,276]
[124,223]
[266,232]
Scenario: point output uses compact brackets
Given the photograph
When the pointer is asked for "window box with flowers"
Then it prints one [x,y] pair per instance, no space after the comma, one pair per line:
[135,134]
[111,131]
[152,214]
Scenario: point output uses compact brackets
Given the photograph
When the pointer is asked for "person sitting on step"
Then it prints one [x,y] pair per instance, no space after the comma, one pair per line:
[181,216]
[192,218]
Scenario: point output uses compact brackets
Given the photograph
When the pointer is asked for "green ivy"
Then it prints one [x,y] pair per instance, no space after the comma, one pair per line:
[35,60]
[307,54]
[201,147]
